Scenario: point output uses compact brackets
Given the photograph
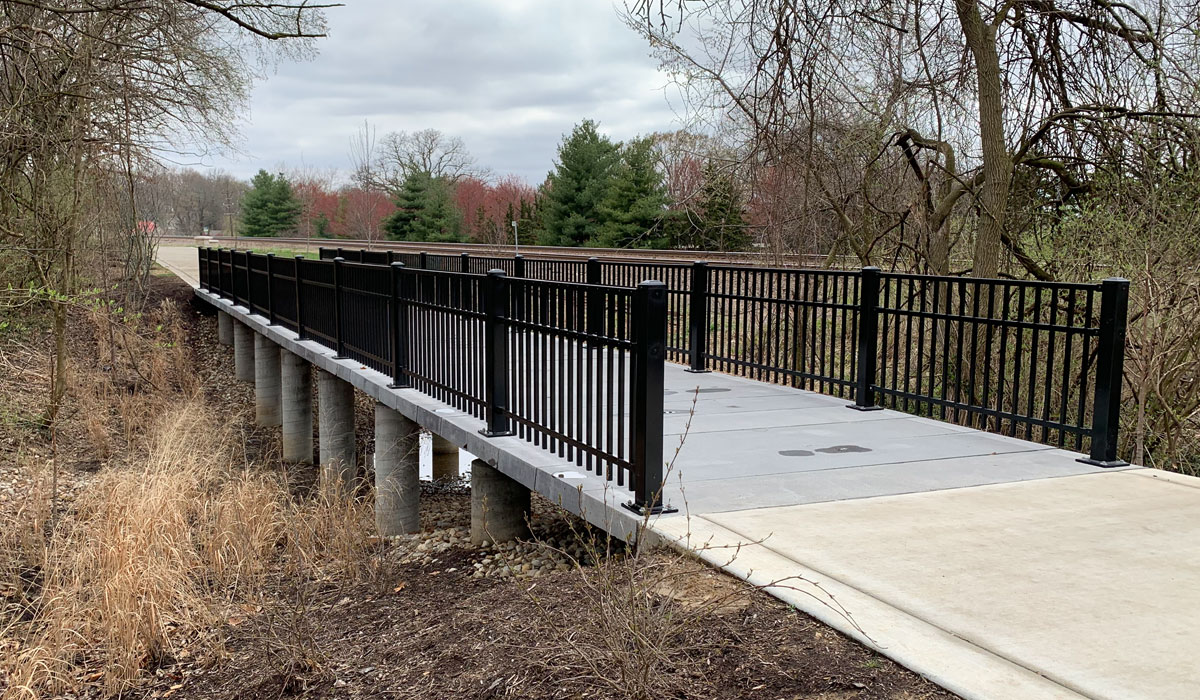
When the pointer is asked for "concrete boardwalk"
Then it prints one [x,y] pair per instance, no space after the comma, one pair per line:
[996,567]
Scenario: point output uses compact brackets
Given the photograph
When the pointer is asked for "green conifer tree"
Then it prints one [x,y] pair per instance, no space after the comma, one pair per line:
[633,209]
[424,211]
[722,223]
[577,186]
[270,207]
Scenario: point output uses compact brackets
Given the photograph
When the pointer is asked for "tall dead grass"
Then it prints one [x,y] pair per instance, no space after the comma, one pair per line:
[157,553]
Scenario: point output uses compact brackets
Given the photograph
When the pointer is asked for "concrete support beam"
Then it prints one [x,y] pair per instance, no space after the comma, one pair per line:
[296,392]
[397,473]
[499,505]
[267,410]
[243,352]
[445,459]
[336,418]
[224,328]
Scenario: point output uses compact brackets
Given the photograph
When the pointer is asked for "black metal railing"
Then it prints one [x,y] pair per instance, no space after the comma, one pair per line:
[1036,360]
[574,368]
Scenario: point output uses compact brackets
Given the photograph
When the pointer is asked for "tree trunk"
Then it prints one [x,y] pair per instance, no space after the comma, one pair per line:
[997,162]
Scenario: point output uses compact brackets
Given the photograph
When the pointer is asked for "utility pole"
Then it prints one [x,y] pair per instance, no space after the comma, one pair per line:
[516,240]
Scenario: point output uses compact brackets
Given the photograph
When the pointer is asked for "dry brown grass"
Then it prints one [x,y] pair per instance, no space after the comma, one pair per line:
[177,536]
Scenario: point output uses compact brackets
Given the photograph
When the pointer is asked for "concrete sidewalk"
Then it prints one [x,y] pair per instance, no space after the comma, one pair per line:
[1080,586]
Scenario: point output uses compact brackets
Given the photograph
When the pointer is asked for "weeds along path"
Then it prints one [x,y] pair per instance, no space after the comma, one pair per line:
[153,545]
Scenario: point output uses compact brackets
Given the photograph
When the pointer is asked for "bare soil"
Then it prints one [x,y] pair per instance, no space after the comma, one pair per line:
[430,629]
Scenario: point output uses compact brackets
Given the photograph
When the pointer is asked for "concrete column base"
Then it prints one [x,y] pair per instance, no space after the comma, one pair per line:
[267,410]
[499,505]
[445,459]
[243,352]
[296,393]
[224,328]
[397,473]
[335,406]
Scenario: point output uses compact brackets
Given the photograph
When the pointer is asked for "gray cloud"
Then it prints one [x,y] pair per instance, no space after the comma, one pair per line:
[509,77]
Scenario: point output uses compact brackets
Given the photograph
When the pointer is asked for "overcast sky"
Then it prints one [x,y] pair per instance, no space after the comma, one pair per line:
[509,77]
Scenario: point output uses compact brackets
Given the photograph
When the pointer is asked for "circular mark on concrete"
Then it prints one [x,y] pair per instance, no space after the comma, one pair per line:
[842,449]
[711,390]
[796,453]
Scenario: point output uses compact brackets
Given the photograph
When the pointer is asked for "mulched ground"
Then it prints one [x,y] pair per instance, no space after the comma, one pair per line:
[429,627]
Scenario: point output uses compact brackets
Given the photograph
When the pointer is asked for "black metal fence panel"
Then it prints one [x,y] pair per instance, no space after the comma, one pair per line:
[445,322]
[1010,357]
[573,368]
[1035,360]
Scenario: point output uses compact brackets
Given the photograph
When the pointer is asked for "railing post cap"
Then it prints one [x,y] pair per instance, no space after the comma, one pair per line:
[497,272]
[702,263]
[398,264]
[871,268]
[1115,280]
[651,284]
[593,258]
[300,257]
[339,259]
[270,255]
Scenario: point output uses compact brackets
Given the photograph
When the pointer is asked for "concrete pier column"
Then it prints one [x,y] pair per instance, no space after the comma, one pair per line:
[224,328]
[499,505]
[296,392]
[243,352]
[397,473]
[267,410]
[335,406]
[445,459]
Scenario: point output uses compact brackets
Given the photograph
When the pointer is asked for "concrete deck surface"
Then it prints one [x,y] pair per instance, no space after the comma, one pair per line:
[996,567]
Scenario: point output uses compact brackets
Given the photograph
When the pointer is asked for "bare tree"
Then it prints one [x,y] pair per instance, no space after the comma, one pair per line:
[91,92]
[398,155]
[962,97]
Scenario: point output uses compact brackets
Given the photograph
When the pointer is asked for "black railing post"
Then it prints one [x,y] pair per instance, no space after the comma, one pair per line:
[868,340]
[337,308]
[391,257]
[202,261]
[321,254]
[423,260]
[698,318]
[398,325]
[249,296]
[299,299]
[271,290]
[595,302]
[466,262]
[1110,368]
[340,254]
[519,266]
[495,353]
[227,287]
[649,354]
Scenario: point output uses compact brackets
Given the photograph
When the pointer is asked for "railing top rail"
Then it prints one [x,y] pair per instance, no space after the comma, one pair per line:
[1048,284]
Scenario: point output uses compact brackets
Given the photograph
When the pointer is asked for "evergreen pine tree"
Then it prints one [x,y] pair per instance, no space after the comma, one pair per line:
[577,187]
[722,224]
[269,207]
[636,202]
[424,211]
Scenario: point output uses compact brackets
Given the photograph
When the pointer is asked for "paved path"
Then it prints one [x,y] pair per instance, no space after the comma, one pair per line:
[996,567]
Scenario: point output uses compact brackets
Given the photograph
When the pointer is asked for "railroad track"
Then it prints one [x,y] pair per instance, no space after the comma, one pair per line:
[759,258]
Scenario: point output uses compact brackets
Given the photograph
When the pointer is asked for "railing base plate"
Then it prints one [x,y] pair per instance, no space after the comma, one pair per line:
[1104,464]
[689,370]
[653,510]
[856,407]
[496,433]
[399,386]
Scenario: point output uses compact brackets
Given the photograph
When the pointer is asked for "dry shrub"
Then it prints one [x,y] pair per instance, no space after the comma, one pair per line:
[154,556]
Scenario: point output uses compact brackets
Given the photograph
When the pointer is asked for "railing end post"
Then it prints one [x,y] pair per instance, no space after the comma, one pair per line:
[646,401]
[1110,370]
